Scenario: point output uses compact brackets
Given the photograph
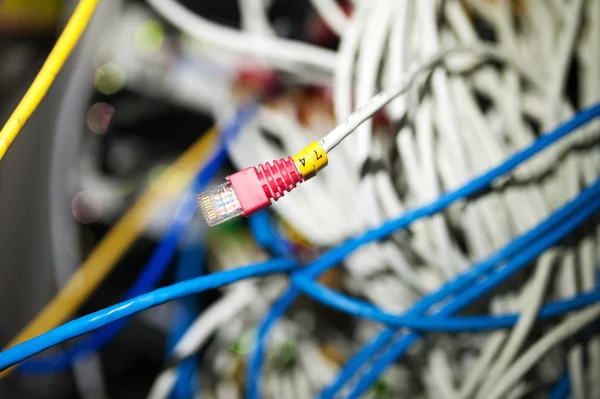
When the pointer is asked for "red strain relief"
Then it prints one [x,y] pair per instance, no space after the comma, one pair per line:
[278,177]
[255,187]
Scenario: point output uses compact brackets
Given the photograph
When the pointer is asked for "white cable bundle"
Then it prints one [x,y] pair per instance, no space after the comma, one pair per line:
[464,117]
[446,138]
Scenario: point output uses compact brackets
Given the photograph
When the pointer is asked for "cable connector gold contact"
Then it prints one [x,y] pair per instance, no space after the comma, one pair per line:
[219,204]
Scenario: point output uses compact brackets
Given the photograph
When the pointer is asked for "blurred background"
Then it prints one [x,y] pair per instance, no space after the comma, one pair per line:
[146,81]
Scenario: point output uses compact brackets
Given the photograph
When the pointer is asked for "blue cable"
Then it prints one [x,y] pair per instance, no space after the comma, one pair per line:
[473,292]
[562,388]
[546,233]
[401,345]
[261,226]
[158,263]
[127,308]
[336,255]
[256,356]
[114,313]
[461,301]
[190,265]
[460,324]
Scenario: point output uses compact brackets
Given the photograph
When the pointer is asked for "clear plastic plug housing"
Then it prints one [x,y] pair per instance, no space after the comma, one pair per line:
[219,204]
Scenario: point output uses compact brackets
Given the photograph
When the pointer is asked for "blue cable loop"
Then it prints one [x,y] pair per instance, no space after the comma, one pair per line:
[521,245]
[159,261]
[336,255]
[111,314]
[402,344]
[477,281]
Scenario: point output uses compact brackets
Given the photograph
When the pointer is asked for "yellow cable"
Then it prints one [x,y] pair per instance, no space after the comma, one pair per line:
[117,241]
[55,61]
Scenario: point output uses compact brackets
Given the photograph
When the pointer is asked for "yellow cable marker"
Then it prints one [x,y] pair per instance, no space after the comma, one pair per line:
[55,61]
[310,160]
[117,241]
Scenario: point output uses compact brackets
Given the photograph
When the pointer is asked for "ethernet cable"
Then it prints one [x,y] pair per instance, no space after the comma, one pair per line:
[561,389]
[281,53]
[458,285]
[85,324]
[461,300]
[254,17]
[542,274]
[189,265]
[115,243]
[127,308]
[337,254]
[486,135]
[157,265]
[237,299]
[481,277]
[332,13]
[54,63]
[253,188]
[444,128]
[261,226]
[220,312]
[330,197]
[216,315]
[526,360]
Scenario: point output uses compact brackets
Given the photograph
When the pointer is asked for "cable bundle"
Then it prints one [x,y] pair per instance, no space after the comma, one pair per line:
[445,240]
[577,210]
[469,114]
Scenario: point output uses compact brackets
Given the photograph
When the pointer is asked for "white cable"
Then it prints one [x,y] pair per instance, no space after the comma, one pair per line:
[398,52]
[280,53]
[562,331]
[440,377]
[332,14]
[384,97]
[254,17]
[588,53]
[205,325]
[445,137]
[562,58]
[369,58]
[534,298]
[482,364]
[445,121]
